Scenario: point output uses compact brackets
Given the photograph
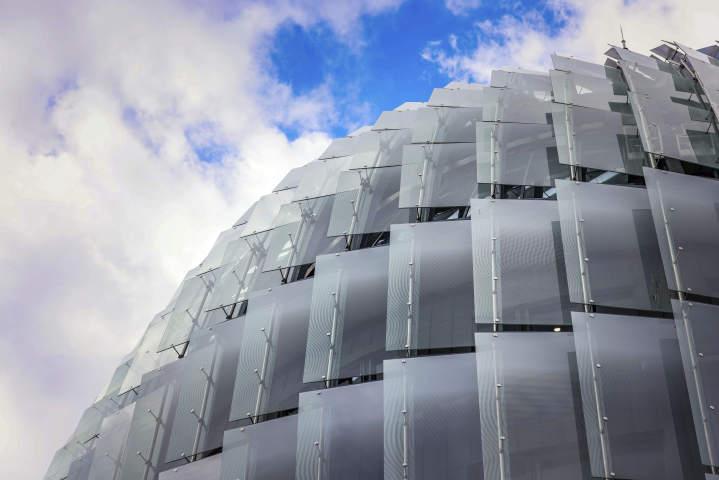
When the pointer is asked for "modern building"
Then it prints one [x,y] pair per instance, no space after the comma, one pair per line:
[508,281]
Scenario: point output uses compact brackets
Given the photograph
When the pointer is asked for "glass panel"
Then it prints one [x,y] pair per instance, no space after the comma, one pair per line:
[396,119]
[519,272]
[151,421]
[205,469]
[264,451]
[517,106]
[381,149]
[448,97]
[633,57]
[610,248]
[265,214]
[65,459]
[581,67]
[698,329]
[292,179]
[671,129]
[446,125]
[348,319]
[597,139]
[521,79]
[340,147]
[217,252]
[518,154]
[431,418]
[80,468]
[320,178]
[203,408]
[272,356]
[646,80]
[299,242]
[686,219]
[360,131]
[708,73]
[110,447]
[586,91]
[636,406]
[465,85]
[148,358]
[245,216]
[340,434]
[118,378]
[438,175]
[244,260]
[368,202]
[430,303]
[530,406]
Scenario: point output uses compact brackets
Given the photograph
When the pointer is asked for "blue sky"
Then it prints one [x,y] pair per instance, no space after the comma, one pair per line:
[387,69]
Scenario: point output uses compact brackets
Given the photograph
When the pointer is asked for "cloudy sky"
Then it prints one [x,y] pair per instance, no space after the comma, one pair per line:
[133,132]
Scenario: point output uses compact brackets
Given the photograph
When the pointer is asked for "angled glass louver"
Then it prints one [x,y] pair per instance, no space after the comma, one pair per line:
[381,148]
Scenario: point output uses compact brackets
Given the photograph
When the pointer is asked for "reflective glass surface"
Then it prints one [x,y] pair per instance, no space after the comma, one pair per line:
[698,329]
[320,178]
[299,242]
[610,248]
[110,446]
[348,317]
[587,91]
[148,358]
[340,147]
[291,180]
[214,258]
[205,469]
[645,80]
[465,85]
[575,65]
[686,218]
[245,216]
[272,356]
[438,175]
[636,406]
[65,459]
[396,119]
[203,408]
[367,201]
[598,139]
[430,300]
[265,213]
[632,57]
[381,149]
[431,418]
[530,406]
[707,73]
[459,97]
[446,124]
[264,451]
[518,258]
[517,106]
[340,434]
[518,154]
[521,79]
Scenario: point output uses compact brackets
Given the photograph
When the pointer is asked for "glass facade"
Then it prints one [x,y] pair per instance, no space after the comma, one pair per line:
[514,281]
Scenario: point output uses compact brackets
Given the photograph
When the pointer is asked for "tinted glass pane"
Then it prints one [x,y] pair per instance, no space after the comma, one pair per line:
[530,406]
[521,79]
[381,149]
[698,329]
[598,139]
[291,180]
[205,469]
[438,175]
[448,97]
[369,204]
[431,418]
[299,242]
[320,178]
[110,446]
[519,272]
[636,407]
[396,119]
[264,451]
[348,318]
[586,91]
[518,154]
[265,214]
[430,302]
[646,80]
[203,408]
[340,147]
[581,67]
[340,434]
[272,356]
[610,248]
[446,125]
[517,106]
[686,218]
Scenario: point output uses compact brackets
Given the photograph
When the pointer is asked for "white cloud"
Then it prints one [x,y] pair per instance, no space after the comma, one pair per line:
[104,205]
[462,7]
[587,28]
